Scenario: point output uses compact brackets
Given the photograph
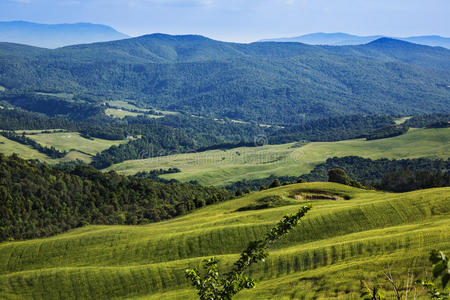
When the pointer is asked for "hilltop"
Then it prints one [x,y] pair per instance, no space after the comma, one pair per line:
[56,35]
[269,83]
[342,39]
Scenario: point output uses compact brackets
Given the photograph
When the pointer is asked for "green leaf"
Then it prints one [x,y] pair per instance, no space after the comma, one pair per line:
[445,280]
[438,269]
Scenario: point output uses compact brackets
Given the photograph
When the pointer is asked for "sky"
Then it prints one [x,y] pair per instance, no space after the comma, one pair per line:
[242,20]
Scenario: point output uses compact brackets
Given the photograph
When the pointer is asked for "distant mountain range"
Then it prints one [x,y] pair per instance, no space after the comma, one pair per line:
[342,39]
[269,83]
[56,35]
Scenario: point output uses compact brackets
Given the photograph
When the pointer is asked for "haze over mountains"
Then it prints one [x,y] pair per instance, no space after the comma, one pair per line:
[56,35]
[342,39]
[271,83]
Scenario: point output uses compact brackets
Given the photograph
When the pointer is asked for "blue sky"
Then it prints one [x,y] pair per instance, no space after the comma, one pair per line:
[242,20]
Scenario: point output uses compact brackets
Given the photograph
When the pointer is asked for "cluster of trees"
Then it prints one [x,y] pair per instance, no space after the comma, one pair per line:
[428,120]
[339,176]
[38,201]
[154,174]
[387,132]
[331,129]
[386,174]
[51,152]
[392,175]
[261,183]
[406,180]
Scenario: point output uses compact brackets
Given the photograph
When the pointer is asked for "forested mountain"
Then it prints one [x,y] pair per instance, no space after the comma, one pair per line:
[56,35]
[275,83]
[343,39]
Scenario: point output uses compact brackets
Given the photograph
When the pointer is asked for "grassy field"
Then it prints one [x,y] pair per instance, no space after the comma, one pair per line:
[125,105]
[402,120]
[121,113]
[220,167]
[339,243]
[76,146]
[121,109]
[9,147]
[67,141]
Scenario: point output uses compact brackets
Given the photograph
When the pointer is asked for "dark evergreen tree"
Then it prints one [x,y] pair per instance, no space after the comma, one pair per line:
[339,176]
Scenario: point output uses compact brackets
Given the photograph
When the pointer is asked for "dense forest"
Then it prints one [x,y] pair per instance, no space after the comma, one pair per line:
[332,129]
[38,201]
[269,83]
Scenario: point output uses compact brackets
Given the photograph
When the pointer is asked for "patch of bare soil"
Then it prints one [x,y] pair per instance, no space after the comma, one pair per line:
[305,196]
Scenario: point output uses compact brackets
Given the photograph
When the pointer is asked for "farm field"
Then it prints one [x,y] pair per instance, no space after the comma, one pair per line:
[219,167]
[121,113]
[67,141]
[77,146]
[339,243]
[9,147]
[121,109]
[125,105]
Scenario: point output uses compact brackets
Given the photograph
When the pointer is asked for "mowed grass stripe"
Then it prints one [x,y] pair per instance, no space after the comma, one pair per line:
[114,245]
[106,262]
[163,276]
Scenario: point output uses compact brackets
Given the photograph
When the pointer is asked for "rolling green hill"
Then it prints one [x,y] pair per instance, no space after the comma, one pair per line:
[339,243]
[219,167]
[270,83]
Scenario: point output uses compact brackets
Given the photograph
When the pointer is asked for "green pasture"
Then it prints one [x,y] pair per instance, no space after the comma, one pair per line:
[339,243]
[67,141]
[121,109]
[77,146]
[219,167]
[8,147]
[121,113]
[125,105]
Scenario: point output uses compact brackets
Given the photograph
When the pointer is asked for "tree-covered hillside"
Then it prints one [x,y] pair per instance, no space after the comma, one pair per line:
[275,83]
[37,201]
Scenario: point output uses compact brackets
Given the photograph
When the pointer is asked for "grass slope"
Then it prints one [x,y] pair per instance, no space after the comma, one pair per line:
[220,167]
[66,141]
[77,146]
[120,113]
[339,243]
[9,147]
